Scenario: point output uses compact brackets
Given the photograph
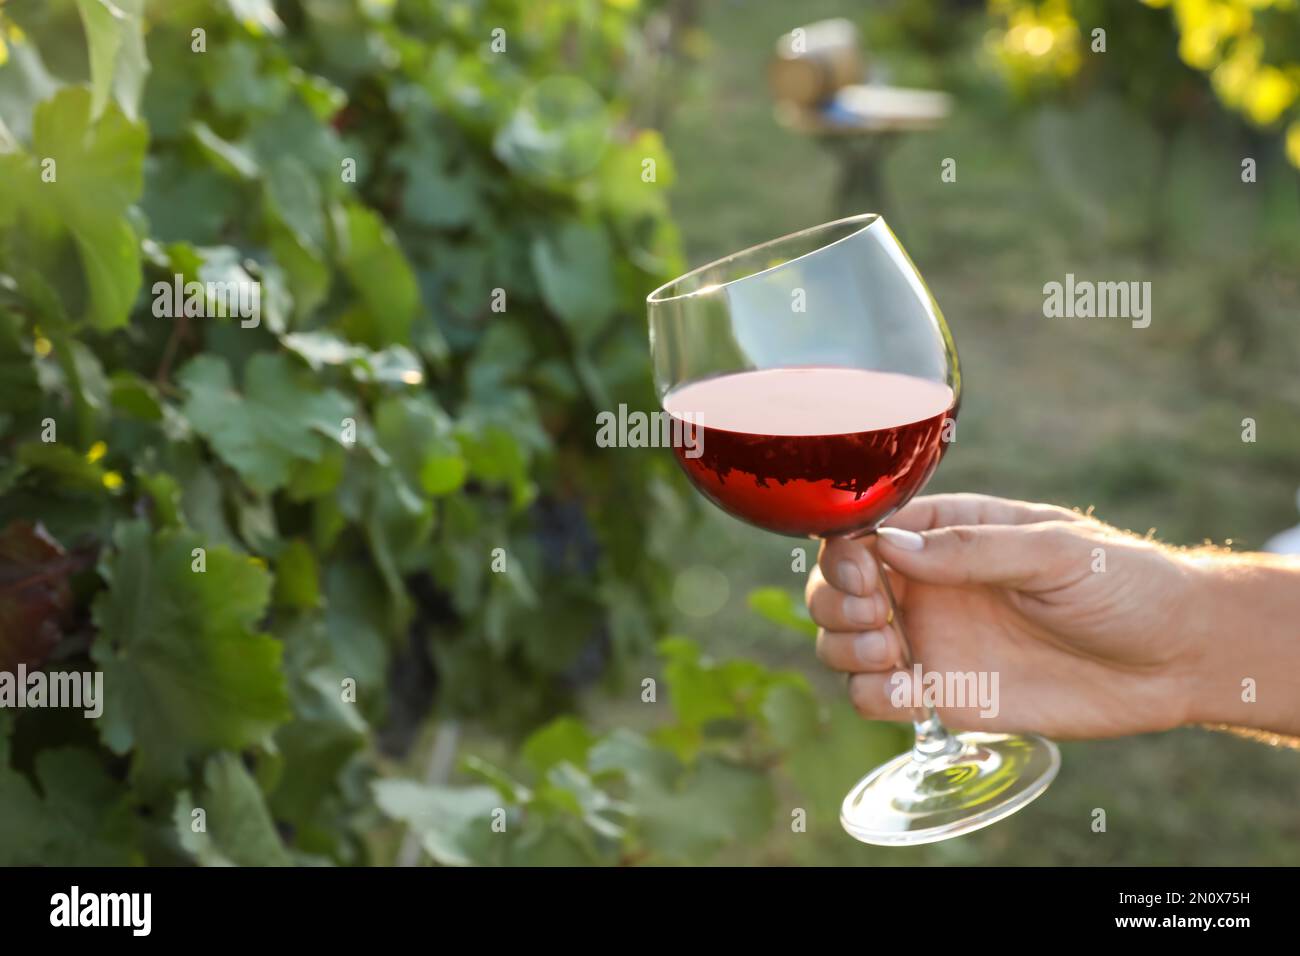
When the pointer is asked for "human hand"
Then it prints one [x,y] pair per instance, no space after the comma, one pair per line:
[1085,625]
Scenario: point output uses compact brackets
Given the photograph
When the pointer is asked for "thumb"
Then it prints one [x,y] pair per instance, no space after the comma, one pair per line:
[1008,555]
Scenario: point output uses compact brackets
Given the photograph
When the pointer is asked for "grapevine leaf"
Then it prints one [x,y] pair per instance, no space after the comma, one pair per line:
[232,158]
[80,817]
[395,365]
[97,176]
[715,805]
[574,265]
[573,792]
[34,594]
[257,16]
[454,823]
[704,691]
[781,607]
[118,61]
[563,739]
[625,185]
[103,23]
[434,195]
[241,86]
[277,420]
[378,271]
[297,579]
[790,712]
[295,196]
[185,671]
[357,622]
[685,814]
[326,732]
[417,435]
[237,826]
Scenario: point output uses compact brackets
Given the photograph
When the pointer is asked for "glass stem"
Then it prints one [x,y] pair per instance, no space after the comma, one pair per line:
[932,738]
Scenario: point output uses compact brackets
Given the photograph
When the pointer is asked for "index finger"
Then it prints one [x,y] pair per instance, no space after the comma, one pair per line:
[942,511]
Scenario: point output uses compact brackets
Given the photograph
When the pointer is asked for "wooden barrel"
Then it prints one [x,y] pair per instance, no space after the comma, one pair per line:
[814,61]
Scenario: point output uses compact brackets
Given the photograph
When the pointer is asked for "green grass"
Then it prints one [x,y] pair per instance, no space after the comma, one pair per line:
[1144,425]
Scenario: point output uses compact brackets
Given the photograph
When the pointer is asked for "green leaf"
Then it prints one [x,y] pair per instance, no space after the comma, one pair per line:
[278,419]
[322,97]
[781,607]
[103,23]
[702,690]
[374,264]
[305,271]
[357,622]
[454,823]
[297,579]
[417,435]
[67,469]
[511,790]
[319,743]
[845,744]
[395,365]
[185,671]
[295,196]
[237,829]
[791,713]
[165,492]
[717,805]
[574,265]
[557,132]
[624,184]
[563,739]
[240,85]
[434,194]
[97,177]
[631,755]
[257,16]
[685,815]
[80,817]
[118,61]
[132,395]
[573,792]
[231,158]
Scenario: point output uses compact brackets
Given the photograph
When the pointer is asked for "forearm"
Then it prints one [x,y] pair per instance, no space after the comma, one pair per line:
[1246,614]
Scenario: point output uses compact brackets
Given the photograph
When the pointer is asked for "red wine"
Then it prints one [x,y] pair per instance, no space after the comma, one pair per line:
[811,451]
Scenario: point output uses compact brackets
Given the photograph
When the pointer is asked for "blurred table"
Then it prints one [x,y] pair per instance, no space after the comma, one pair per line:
[816,78]
[858,127]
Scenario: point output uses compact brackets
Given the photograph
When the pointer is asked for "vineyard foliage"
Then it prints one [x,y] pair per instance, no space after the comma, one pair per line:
[289,539]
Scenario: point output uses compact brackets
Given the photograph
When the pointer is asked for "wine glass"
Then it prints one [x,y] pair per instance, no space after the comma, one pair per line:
[813,387]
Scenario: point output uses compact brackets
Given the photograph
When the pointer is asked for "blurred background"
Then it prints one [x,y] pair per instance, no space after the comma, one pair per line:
[466,634]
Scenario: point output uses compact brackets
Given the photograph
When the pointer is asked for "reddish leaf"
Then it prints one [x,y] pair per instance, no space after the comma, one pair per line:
[34,593]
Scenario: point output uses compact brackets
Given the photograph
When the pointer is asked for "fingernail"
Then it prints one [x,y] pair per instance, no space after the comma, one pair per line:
[902,539]
[862,610]
[849,577]
[871,648]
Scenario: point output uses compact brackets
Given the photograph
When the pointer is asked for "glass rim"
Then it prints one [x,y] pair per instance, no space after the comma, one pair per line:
[868,219]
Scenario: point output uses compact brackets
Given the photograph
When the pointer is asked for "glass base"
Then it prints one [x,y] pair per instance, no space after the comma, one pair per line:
[909,801]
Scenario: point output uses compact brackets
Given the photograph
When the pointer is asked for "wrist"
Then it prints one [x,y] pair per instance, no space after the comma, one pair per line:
[1240,623]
